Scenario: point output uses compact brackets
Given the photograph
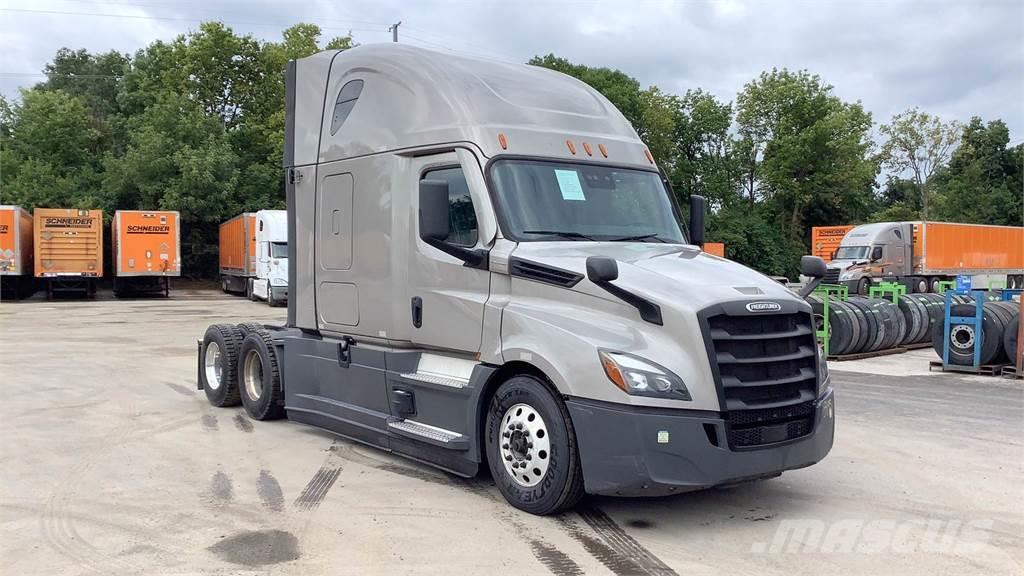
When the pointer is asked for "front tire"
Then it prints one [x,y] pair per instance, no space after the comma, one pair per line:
[259,377]
[218,359]
[531,448]
[864,286]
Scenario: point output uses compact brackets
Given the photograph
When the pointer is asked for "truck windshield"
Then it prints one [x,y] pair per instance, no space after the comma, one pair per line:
[278,249]
[852,253]
[561,201]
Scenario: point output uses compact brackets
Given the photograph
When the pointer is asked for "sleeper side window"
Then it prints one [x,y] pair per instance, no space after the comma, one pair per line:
[346,101]
[461,217]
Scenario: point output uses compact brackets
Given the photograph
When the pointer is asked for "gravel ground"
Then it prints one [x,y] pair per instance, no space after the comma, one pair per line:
[113,463]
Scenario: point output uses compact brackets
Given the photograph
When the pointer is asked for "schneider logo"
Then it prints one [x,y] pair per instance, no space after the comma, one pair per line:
[68,222]
[763,307]
[148,229]
[3,228]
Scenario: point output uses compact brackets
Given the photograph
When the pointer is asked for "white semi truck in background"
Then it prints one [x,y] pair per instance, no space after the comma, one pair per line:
[254,255]
[487,271]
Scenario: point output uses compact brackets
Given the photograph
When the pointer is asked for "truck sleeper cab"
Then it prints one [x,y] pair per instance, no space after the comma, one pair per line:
[486,269]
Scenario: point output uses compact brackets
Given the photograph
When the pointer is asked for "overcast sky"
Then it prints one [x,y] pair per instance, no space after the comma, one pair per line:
[954,58]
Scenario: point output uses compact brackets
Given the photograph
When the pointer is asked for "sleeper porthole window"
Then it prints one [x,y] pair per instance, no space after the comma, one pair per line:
[346,101]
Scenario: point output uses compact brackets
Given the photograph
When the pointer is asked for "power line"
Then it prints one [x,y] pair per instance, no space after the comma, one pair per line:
[54,75]
[170,18]
[177,4]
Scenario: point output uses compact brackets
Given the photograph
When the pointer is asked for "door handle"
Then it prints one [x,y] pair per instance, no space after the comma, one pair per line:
[417,311]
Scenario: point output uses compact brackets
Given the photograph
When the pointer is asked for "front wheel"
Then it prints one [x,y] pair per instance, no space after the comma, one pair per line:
[531,448]
[864,286]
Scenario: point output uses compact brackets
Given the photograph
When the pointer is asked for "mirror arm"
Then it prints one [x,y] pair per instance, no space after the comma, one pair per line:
[601,271]
[809,287]
[472,257]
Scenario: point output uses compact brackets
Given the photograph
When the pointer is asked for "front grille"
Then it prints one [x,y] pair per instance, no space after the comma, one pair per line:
[766,370]
[831,276]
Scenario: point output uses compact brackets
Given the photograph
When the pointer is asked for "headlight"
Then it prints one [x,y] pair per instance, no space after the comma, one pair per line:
[642,378]
[823,375]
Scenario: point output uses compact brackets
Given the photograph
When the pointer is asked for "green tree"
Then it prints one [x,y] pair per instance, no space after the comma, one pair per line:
[51,150]
[94,78]
[920,144]
[804,152]
[984,182]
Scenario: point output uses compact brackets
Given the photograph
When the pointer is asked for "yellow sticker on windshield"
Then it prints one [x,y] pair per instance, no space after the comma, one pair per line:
[569,184]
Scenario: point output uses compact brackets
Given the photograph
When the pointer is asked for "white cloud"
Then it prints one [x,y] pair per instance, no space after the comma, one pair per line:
[953,58]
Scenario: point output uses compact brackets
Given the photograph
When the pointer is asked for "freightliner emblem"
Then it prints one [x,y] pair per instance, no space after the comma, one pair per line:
[763,307]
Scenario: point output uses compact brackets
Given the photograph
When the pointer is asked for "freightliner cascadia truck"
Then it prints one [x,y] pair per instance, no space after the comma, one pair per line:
[488,271]
[921,255]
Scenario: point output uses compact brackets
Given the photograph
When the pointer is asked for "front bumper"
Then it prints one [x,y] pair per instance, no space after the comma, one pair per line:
[635,451]
[279,293]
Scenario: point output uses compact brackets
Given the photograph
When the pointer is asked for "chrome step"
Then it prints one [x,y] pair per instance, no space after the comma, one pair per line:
[425,432]
[436,379]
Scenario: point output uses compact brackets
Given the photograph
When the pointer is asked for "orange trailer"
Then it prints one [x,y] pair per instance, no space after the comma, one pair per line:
[238,252]
[825,240]
[949,248]
[15,241]
[147,250]
[68,248]
[15,252]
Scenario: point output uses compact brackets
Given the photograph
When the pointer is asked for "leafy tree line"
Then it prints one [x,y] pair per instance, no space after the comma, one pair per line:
[788,154]
[196,125]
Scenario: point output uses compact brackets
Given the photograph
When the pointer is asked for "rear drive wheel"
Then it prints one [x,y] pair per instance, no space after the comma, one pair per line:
[246,327]
[259,377]
[933,285]
[531,448]
[218,359]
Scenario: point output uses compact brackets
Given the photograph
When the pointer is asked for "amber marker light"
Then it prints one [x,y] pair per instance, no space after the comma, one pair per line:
[503,141]
[611,369]
[604,151]
[571,147]
[648,154]
[586,148]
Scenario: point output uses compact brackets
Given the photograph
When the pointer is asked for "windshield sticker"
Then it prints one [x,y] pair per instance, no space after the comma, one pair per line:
[570,185]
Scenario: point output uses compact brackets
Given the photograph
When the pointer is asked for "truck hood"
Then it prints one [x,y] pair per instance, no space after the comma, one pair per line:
[673,275]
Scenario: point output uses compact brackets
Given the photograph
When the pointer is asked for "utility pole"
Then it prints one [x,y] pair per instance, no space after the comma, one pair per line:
[394,31]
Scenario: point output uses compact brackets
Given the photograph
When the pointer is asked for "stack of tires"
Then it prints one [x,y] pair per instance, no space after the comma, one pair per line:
[921,312]
[862,324]
[1000,322]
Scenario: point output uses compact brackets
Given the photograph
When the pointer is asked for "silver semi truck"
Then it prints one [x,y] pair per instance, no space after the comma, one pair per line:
[487,270]
[920,255]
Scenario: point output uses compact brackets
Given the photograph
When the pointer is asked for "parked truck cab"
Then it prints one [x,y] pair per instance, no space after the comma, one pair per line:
[271,280]
[487,270]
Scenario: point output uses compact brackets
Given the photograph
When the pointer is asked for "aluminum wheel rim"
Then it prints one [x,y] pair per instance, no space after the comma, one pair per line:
[525,445]
[960,330]
[213,365]
[253,375]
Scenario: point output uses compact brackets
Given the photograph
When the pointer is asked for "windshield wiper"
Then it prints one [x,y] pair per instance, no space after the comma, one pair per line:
[653,236]
[561,234]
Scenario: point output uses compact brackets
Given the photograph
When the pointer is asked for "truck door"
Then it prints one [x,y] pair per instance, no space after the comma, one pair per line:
[894,257]
[446,297]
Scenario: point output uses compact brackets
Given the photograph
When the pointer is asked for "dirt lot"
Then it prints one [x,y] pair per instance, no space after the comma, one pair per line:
[113,463]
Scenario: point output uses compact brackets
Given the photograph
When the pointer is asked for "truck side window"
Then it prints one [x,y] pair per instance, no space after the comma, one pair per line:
[346,101]
[876,253]
[461,217]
